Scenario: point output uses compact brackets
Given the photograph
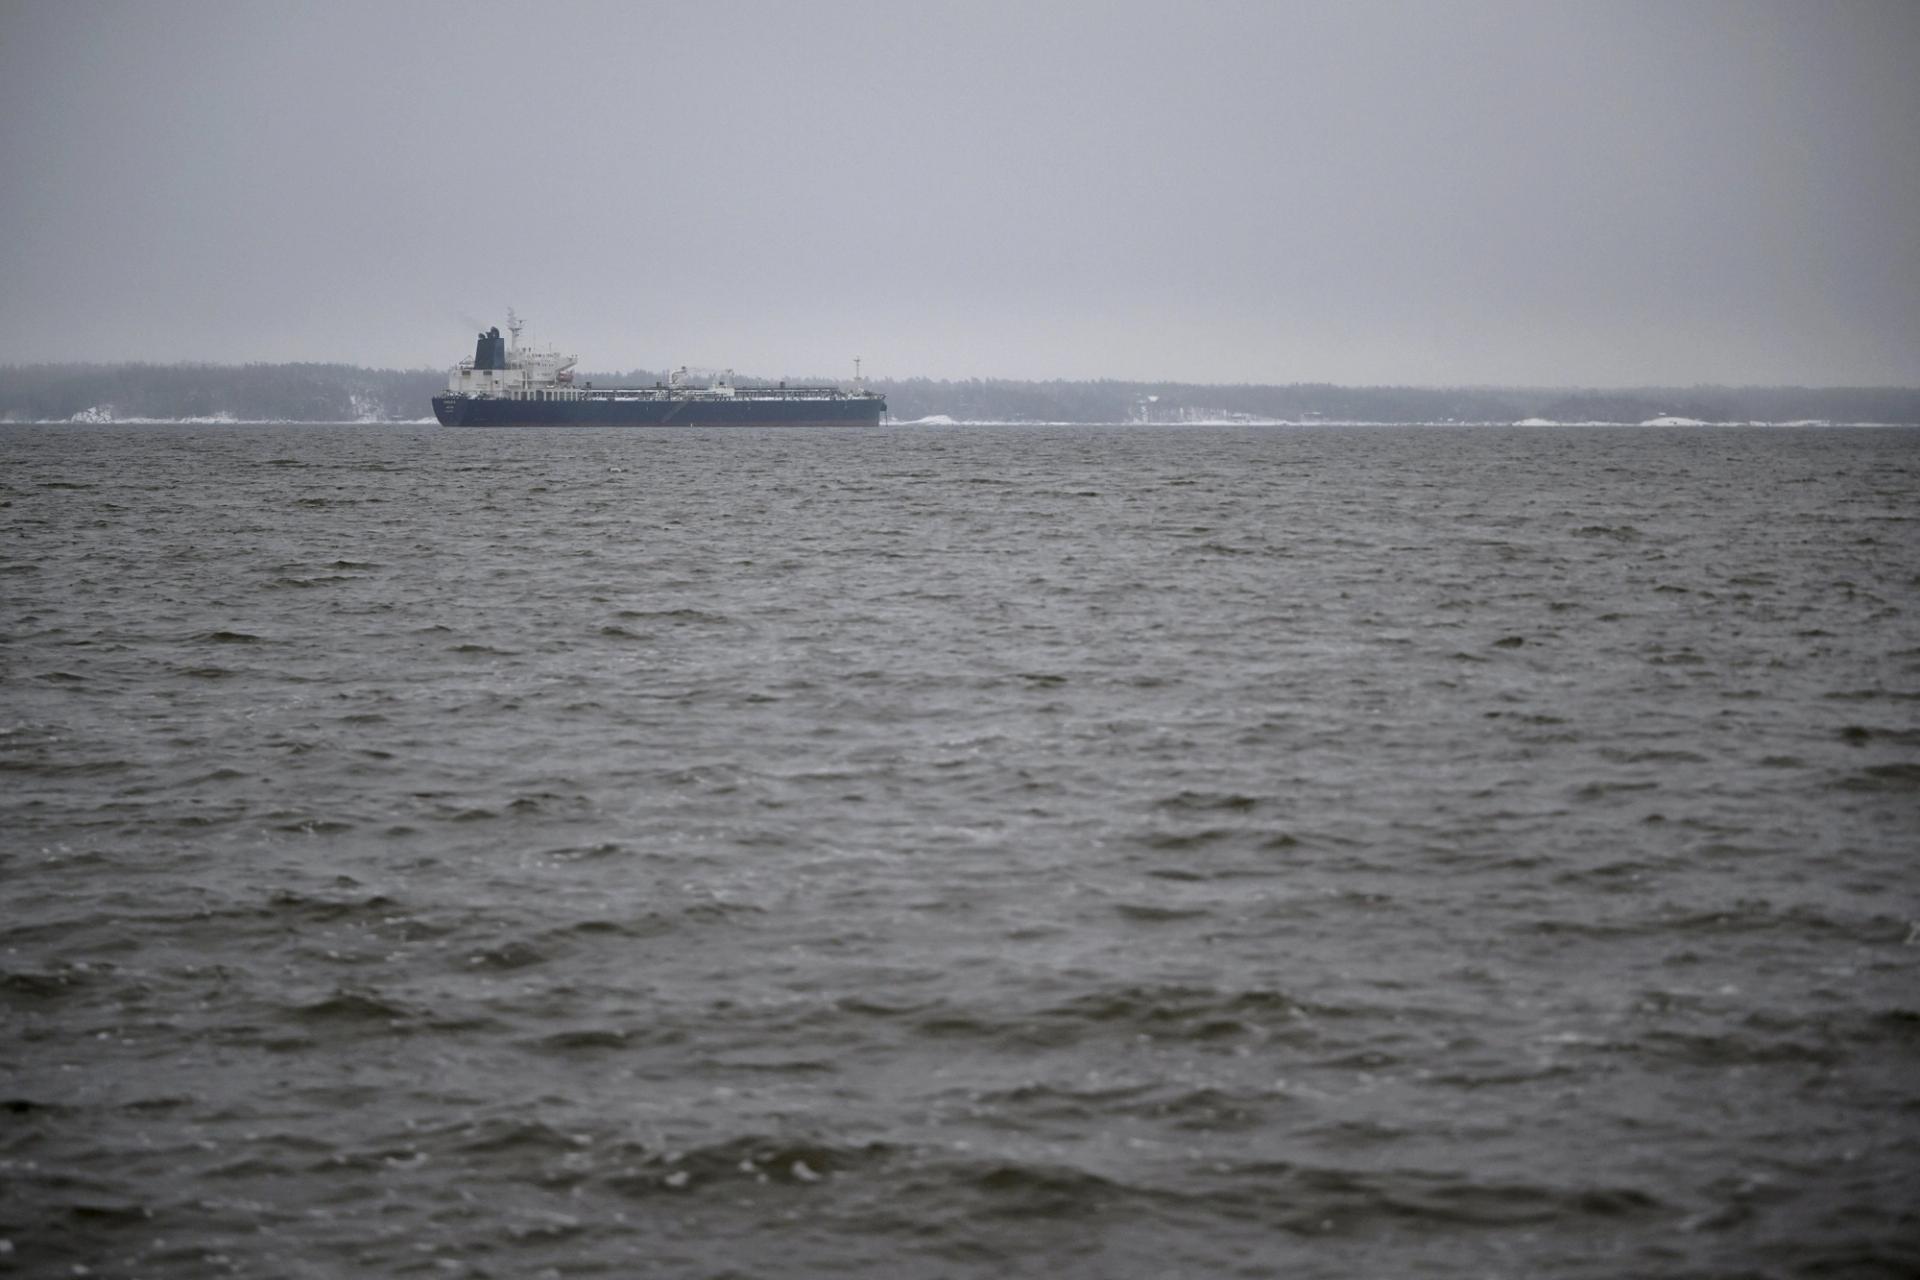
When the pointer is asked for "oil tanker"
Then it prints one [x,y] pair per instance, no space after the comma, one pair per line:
[507,385]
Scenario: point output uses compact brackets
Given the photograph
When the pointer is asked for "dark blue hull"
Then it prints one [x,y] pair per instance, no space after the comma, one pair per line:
[745,411]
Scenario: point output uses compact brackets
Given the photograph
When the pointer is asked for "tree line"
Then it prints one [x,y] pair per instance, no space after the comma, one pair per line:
[1174,402]
[250,392]
[349,393]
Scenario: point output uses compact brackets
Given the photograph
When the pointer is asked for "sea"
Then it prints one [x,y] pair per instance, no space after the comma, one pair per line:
[960,851]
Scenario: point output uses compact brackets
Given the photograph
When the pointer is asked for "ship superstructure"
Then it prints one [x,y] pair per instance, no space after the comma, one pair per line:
[508,385]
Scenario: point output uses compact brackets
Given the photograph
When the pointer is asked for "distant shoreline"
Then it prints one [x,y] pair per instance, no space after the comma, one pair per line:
[1804,424]
[311,393]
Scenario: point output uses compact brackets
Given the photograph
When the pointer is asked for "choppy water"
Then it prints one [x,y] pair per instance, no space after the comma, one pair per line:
[1057,852]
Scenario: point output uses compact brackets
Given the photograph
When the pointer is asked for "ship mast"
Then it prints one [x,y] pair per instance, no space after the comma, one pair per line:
[514,325]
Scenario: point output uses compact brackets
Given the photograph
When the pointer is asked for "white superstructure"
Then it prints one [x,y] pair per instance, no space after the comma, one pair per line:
[512,371]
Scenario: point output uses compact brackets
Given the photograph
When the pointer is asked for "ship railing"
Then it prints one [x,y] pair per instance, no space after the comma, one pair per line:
[699,393]
[561,394]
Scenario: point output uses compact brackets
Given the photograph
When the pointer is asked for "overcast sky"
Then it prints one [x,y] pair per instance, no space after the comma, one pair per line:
[1423,192]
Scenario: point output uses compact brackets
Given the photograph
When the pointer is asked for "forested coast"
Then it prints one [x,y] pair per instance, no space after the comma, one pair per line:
[348,393]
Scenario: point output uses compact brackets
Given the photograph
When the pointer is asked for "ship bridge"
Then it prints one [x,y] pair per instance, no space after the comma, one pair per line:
[500,369]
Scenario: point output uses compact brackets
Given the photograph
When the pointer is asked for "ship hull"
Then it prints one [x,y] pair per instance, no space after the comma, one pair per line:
[485,411]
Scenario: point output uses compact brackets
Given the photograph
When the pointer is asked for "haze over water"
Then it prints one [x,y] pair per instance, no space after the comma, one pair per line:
[960,852]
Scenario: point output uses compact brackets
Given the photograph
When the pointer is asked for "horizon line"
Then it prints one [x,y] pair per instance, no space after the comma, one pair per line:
[1908,387]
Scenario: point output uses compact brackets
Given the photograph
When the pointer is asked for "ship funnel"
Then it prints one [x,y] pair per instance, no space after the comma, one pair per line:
[490,352]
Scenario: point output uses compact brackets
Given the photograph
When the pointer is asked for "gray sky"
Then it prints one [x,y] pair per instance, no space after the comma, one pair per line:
[1469,192]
